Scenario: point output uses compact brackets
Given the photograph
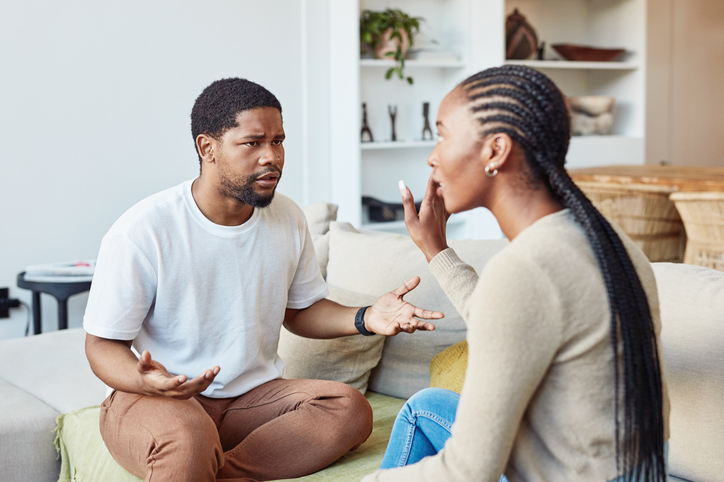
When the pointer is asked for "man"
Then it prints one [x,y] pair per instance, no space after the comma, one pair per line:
[200,278]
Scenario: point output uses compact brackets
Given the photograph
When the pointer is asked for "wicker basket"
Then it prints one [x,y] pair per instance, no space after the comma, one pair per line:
[645,213]
[703,216]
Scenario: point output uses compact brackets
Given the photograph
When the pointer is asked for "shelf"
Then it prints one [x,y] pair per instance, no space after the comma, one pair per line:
[570,64]
[396,225]
[365,146]
[413,63]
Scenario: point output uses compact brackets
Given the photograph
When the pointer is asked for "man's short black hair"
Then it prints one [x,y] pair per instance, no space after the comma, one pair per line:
[215,110]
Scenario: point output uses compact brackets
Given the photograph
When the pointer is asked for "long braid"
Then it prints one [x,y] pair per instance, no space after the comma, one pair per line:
[526,105]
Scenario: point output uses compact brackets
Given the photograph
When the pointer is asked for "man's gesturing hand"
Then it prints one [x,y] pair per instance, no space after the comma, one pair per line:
[156,380]
[391,314]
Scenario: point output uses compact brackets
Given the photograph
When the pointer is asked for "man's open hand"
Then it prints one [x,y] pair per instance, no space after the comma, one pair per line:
[391,314]
[156,380]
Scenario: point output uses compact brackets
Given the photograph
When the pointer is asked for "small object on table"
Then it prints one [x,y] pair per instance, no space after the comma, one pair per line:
[393,113]
[61,290]
[542,51]
[425,113]
[365,127]
[584,53]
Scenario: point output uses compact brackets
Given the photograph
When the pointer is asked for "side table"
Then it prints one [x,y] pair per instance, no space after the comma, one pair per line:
[60,290]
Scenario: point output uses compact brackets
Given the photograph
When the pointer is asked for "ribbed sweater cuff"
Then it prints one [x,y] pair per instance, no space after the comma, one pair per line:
[444,263]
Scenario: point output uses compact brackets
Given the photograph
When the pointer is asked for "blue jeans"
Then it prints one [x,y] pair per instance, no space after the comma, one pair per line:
[422,427]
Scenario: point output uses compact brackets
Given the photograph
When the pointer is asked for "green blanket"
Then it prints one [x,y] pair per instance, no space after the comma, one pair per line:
[84,458]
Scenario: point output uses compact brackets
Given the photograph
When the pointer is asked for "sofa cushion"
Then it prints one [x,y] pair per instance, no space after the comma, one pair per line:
[26,437]
[319,215]
[53,368]
[375,264]
[86,459]
[349,359]
[692,340]
[447,368]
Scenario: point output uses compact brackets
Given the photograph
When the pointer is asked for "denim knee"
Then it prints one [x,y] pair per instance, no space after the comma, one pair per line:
[429,398]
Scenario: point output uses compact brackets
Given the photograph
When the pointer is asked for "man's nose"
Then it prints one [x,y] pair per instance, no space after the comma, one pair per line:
[271,156]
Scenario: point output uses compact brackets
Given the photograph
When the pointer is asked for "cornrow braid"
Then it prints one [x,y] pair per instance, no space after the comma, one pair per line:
[526,105]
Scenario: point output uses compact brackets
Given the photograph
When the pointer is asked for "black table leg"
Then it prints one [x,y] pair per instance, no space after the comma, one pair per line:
[62,314]
[37,324]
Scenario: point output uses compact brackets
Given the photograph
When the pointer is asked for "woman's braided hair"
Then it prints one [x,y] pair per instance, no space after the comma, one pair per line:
[526,105]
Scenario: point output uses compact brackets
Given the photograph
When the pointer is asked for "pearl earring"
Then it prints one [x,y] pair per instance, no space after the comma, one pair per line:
[488,170]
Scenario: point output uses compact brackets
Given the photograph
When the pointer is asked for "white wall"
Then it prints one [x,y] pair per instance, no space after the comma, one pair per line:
[686,71]
[95,100]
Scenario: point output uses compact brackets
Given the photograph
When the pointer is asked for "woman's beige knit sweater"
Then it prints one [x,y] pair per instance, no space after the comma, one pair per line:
[538,400]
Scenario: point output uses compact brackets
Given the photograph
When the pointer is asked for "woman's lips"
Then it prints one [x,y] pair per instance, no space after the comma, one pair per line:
[439,189]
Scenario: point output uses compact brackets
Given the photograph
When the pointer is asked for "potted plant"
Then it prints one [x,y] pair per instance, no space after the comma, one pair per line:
[389,34]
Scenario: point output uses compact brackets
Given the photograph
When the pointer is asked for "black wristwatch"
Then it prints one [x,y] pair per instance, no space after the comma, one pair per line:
[359,322]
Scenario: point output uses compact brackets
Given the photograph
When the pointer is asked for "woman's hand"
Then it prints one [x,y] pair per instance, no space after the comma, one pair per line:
[426,228]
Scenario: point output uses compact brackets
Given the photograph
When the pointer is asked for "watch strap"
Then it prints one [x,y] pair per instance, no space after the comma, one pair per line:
[359,322]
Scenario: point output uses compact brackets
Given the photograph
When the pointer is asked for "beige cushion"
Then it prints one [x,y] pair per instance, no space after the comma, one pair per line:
[349,359]
[319,215]
[692,337]
[26,437]
[374,264]
[53,368]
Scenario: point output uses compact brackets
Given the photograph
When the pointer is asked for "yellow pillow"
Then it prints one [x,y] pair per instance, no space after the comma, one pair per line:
[447,368]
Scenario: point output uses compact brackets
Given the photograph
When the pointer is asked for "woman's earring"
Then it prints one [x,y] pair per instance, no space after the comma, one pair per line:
[490,174]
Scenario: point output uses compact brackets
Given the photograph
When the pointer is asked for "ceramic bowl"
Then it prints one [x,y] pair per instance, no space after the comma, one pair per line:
[585,53]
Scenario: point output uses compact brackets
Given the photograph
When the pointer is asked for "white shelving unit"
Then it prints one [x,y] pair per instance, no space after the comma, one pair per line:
[374,168]
[604,24]
[474,32]
[574,64]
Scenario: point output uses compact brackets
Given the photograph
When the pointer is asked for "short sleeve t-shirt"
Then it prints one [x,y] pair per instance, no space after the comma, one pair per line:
[196,294]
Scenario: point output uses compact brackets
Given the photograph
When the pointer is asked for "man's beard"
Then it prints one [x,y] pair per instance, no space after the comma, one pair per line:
[243,190]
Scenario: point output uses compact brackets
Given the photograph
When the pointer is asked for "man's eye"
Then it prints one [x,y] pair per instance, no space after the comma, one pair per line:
[250,144]
[277,142]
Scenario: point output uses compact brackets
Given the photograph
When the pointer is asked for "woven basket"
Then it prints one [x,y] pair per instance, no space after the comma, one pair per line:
[645,213]
[703,216]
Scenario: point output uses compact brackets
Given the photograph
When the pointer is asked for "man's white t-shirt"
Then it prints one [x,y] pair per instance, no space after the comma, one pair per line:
[197,294]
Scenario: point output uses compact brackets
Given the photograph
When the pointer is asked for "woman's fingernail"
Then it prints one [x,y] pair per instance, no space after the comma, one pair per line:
[403,189]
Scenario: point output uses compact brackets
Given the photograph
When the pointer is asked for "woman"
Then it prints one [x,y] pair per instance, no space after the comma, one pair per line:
[564,377]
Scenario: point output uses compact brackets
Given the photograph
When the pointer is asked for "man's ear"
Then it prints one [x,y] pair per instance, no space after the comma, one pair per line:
[496,150]
[205,145]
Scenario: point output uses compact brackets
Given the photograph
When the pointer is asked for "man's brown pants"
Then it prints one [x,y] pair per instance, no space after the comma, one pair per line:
[281,429]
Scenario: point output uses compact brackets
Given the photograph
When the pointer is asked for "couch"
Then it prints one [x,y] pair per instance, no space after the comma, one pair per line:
[49,397]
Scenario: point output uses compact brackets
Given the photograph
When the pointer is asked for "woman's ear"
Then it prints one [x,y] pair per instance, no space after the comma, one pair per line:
[496,150]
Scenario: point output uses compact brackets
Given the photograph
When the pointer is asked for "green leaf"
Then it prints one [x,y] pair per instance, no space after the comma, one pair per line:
[409,80]
[388,75]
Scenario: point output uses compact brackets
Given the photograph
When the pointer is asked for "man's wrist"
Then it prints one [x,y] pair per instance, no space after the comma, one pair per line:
[360,322]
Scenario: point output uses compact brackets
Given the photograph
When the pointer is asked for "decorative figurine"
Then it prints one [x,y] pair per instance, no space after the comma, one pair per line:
[425,114]
[365,127]
[521,41]
[393,114]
